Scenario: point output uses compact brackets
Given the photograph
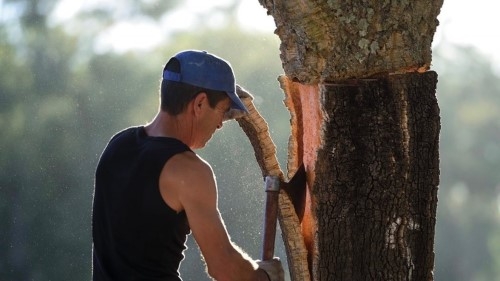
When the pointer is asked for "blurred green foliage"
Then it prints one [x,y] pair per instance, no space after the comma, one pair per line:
[60,102]
[468,224]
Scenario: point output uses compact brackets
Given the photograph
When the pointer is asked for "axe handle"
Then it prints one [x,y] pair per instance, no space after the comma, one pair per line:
[271,217]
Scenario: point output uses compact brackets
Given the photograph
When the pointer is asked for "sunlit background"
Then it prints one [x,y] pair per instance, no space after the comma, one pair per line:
[74,72]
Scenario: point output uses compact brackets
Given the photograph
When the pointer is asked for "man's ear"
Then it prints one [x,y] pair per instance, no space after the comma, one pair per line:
[199,102]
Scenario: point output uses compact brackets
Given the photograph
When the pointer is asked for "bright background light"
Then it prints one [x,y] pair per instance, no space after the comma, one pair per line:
[464,22]
[471,23]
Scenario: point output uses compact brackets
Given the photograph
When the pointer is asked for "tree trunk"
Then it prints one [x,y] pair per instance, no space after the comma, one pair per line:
[376,180]
[365,122]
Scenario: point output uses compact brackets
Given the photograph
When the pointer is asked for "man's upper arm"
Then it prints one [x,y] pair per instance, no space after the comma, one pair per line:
[191,181]
[193,184]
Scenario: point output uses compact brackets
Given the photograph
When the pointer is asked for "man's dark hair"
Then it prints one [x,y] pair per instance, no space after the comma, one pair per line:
[175,96]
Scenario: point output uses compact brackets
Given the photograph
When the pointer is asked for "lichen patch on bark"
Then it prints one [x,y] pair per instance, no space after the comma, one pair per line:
[337,40]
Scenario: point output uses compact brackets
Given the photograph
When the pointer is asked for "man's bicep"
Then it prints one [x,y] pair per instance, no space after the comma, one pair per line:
[204,219]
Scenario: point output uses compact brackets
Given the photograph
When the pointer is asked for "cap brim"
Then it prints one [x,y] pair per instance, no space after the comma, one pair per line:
[236,102]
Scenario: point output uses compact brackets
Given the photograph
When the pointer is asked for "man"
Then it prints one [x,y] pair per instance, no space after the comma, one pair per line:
[152,190]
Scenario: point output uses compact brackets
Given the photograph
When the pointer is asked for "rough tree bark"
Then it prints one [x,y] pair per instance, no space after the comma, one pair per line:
[365,122]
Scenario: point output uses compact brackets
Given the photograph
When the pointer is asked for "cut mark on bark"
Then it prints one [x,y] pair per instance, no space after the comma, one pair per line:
[405,133]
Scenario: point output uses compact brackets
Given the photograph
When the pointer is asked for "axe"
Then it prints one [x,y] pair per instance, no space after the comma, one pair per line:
[296,190]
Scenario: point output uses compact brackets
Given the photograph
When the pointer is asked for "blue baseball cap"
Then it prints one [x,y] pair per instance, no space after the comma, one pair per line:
[202,69]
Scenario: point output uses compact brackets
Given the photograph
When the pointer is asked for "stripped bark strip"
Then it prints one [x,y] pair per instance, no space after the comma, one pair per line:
[303,103]
[257,130]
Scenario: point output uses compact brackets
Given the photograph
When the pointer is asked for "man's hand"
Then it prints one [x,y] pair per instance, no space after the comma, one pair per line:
[235,113]
[273,268]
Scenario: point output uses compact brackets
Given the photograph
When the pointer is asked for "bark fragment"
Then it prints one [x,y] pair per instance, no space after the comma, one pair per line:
[257,130]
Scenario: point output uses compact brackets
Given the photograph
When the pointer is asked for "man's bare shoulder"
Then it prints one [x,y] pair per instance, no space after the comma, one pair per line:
[187,178]
[188,164]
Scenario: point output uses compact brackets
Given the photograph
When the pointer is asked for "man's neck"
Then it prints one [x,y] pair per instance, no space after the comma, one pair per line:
[166,125]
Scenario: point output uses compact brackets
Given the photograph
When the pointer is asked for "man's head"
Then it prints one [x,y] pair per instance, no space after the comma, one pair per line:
[191,72]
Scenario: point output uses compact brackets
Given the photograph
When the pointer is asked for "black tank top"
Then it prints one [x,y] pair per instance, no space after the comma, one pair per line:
[136,235]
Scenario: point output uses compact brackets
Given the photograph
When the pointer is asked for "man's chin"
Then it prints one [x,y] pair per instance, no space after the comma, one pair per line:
[201,145]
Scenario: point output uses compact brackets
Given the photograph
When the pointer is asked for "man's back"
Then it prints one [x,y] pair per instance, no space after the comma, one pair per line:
[136,235]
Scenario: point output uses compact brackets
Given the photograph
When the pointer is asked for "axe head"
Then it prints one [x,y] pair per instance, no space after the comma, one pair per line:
[296,190]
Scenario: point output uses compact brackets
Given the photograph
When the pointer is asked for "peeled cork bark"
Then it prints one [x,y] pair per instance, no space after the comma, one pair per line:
[257,131]
[305,109]
[332,40]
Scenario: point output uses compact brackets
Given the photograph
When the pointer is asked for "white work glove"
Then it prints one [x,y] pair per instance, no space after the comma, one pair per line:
[235,113]
[273,269]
